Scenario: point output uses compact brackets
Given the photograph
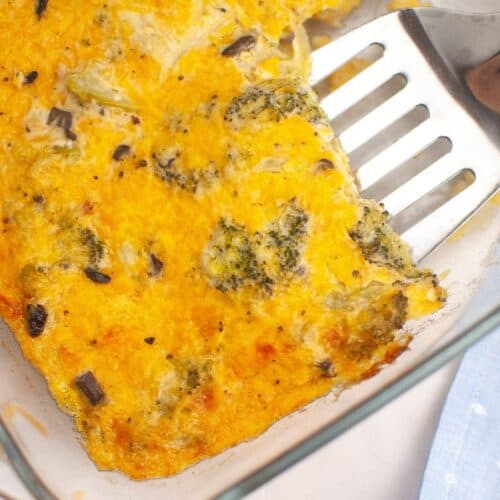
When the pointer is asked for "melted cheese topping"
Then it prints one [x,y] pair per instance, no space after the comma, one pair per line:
[179,226]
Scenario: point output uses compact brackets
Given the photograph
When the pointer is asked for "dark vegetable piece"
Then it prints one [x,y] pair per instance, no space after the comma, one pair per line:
[149,340]
[62,119]
[36,317]
[324,365]
[70,134]
[121,151]
[323,165]
[96,276]
[326,368]
[40,6]
[243,44]
[155,265]
[90,387]
[30,77]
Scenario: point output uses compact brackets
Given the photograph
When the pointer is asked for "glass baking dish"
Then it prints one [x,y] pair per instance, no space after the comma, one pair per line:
[45,452]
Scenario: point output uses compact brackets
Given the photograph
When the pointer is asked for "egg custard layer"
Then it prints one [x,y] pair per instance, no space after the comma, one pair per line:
[184,255]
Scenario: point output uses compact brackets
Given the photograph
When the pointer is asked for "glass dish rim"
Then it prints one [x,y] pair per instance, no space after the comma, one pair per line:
[462,341]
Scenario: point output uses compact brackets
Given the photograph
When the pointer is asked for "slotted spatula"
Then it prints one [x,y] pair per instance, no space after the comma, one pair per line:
[432,49]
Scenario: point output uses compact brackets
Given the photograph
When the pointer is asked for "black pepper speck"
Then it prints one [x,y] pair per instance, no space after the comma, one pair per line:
[30,77]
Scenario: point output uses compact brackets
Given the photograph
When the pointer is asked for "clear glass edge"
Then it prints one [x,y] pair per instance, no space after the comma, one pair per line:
[21,465]
[458,345]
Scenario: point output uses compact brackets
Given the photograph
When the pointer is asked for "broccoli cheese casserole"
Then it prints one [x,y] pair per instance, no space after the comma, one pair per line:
[184,255]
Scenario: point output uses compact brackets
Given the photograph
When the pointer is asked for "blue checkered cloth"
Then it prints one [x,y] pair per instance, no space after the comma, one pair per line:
[464,463]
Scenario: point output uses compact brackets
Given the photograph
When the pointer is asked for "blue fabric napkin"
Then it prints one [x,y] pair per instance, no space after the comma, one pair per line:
[464,463]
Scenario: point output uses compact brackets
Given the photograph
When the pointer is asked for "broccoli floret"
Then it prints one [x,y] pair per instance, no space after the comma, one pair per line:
[284,239]
[378,324]
[230,259]
[378,242]
[234,258]
[273,100]
[191,180]
[94,246]
[187,179]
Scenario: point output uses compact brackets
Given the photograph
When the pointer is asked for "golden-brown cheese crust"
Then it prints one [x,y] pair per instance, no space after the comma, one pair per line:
[237,275]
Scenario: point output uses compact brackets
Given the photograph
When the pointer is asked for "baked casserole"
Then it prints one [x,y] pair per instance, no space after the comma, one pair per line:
[184,254]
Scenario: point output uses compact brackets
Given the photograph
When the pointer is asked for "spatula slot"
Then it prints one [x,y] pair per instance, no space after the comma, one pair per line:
[433,200]
[409,169]
[389,135]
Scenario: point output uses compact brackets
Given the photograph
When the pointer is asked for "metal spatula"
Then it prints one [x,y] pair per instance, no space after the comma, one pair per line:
[432,49]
